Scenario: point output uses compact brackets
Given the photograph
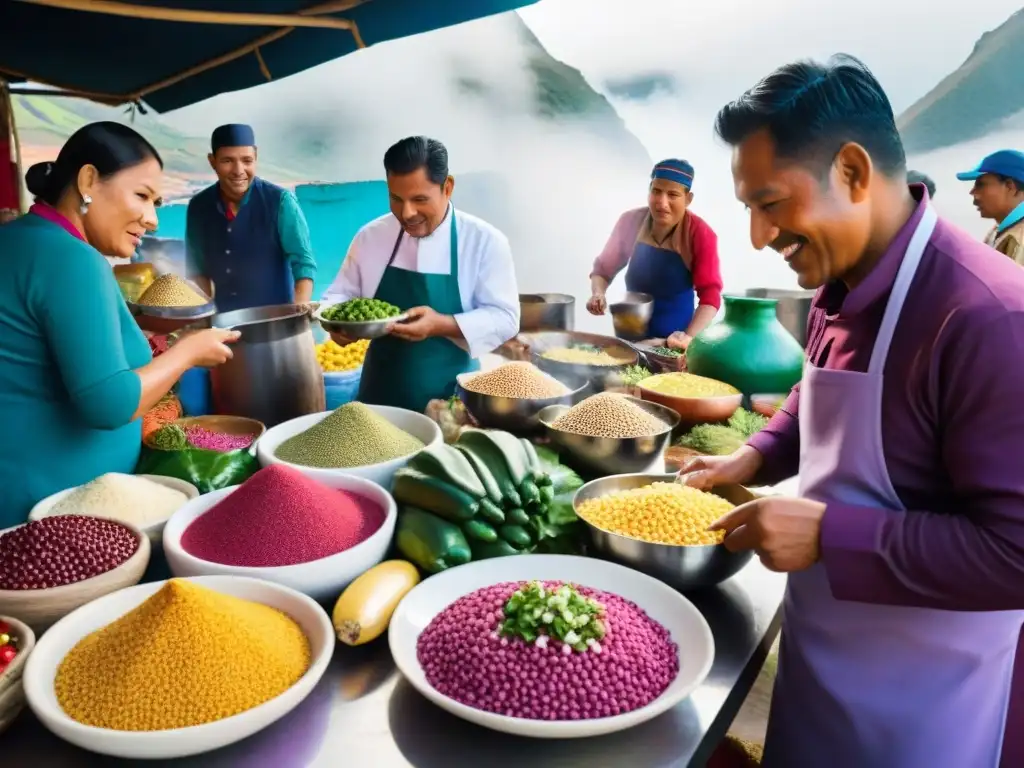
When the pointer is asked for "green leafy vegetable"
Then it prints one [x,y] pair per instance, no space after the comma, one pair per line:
[712,439]
[634,374]
[747,423]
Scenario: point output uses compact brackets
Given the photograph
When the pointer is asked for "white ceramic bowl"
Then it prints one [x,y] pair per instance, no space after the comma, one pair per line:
[154,530]
[322,579]
[41,670]
[416,424]
[662,603]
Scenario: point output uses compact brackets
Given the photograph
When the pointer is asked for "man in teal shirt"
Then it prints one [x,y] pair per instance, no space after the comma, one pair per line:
[246,240]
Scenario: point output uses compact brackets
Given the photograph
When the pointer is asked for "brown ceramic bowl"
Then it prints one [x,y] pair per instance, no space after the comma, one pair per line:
[766,405]
[228,425]
[695,410]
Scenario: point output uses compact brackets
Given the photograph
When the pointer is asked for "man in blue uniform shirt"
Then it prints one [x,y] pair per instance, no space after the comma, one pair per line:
[246,240]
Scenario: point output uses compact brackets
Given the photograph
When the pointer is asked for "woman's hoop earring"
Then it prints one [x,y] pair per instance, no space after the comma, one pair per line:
[84,207]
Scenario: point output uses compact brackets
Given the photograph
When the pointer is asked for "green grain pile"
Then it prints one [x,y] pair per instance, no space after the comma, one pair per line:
[352,436]
[169,438]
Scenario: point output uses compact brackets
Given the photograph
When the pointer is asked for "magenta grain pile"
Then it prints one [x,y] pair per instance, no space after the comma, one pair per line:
[199,437]
[281,517]
[465,659]
[61,550]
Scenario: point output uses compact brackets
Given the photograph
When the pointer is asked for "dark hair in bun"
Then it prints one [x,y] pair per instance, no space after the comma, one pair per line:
[109,147]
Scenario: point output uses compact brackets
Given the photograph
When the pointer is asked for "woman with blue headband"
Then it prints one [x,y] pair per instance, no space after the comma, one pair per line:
[669,252]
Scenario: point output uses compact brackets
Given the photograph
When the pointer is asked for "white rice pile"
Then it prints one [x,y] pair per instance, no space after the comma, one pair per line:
[127,498]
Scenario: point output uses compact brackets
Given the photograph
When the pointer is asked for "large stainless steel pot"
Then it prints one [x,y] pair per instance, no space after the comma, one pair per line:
[792,309]
[546,312]
[274,375]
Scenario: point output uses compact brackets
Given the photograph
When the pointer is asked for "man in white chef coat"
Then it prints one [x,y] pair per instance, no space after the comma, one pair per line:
[450,272]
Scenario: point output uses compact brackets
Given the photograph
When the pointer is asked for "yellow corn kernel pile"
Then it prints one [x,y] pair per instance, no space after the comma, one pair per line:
[334,358]
[681,384]
[661,513]
[186,656]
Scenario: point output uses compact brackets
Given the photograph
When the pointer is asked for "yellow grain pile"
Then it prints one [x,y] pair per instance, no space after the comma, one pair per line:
[582,356]
[186,656]
[682,384]
[661,513]
[171,291]
[518,380]
[609,415]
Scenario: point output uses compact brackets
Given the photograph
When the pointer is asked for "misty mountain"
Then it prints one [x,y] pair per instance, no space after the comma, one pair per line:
[978,97]
[492,77]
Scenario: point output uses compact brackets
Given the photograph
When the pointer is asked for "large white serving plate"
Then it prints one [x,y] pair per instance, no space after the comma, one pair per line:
[416,424]
[662,603]
[41,670]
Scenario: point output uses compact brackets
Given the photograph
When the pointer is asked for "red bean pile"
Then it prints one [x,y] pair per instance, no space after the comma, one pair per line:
[465,659]
[62,550]
[281,517]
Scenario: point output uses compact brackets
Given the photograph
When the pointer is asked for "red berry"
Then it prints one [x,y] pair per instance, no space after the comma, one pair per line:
[7,654]
[5,628]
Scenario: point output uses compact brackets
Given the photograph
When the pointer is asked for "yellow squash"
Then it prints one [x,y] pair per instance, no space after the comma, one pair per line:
[364,609]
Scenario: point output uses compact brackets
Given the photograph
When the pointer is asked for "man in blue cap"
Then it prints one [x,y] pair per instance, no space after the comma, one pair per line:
[998,194]
[246,239]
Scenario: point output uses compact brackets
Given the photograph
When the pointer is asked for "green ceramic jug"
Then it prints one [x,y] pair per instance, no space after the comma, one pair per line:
[749,349]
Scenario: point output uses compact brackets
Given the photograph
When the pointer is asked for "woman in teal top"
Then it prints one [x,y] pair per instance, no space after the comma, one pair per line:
[76,373]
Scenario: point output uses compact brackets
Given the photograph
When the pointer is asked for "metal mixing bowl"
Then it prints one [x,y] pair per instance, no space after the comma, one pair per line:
[611,455]
[681,567]
[546,312]
[600,377]
[632,316]
[513,414]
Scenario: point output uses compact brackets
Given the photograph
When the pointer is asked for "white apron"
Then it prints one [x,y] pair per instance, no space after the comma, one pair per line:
[877,686]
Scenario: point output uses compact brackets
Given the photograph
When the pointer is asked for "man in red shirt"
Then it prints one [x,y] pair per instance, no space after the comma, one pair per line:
[669,252]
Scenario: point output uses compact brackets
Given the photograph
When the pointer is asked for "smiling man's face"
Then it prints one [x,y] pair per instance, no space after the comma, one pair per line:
[809,218]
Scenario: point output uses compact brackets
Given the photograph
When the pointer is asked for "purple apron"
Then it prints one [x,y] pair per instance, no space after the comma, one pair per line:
[878,686]
[662,273]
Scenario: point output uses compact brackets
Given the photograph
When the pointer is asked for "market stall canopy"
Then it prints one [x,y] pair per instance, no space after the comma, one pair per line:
[172,53]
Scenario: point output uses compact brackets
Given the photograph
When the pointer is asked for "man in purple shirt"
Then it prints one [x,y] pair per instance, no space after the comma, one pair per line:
[905,552]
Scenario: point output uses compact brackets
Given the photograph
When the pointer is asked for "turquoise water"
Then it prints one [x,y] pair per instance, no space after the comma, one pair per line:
[335,212]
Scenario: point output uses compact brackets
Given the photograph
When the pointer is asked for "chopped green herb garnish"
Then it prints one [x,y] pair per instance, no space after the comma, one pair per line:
[537,614]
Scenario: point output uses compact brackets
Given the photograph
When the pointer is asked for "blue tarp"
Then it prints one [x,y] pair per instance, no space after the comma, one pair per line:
[119,59]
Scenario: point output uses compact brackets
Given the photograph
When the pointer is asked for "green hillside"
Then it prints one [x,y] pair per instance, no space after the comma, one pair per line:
[985,90]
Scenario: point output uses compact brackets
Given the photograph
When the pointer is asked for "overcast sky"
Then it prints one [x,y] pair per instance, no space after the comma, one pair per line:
[723,46]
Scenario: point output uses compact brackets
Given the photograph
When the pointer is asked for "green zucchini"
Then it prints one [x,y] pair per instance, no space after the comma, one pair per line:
[483,472]
[445,463]
[428,541]
[476,530]
[500,548]
[476,441]
[540,477]
[515,456]
[529,492]
[433,495]
[516,535]
[491,512]
[547,494]
[517,516]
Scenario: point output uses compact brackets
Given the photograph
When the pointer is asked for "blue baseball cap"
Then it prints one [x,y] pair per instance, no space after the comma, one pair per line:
[1005,162]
